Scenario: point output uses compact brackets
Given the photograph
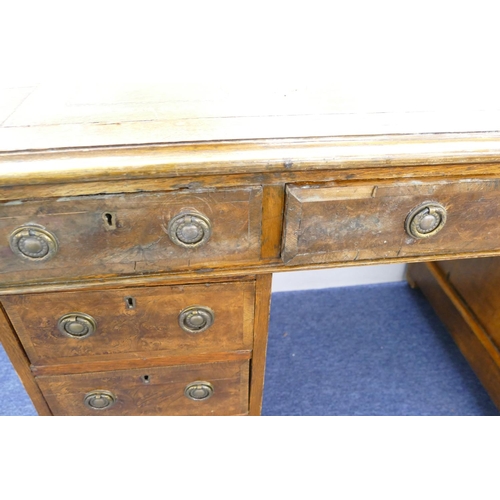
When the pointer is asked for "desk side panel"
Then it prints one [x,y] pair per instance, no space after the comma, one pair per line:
[464,326]
[21,364]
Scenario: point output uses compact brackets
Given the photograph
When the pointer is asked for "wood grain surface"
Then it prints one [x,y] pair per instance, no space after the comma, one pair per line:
[20,362]
[476,281]
[150,329]
[366,221]
[162,394]
[261,327]
[137,240]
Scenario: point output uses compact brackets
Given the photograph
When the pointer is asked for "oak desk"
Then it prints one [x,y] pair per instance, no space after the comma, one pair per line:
[140,227]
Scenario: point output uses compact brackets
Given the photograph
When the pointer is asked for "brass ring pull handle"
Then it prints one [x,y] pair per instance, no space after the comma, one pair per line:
[99,400]
[190,230]
[77,325]
[199,390]
[196,319]
[426,220]
[33,243]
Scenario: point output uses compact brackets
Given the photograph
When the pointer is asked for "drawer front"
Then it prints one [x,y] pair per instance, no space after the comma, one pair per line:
[128,234]
[380,221]
[57,328]
[221,389]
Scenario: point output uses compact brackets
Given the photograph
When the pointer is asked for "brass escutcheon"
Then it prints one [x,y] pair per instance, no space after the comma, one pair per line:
[33,242]
[190,229]
[199,390]
[196,319]
[77,325]
[426,220]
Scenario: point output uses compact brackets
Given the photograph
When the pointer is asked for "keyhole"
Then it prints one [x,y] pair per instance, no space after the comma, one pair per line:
[145,379]
[109,220]
[130,302]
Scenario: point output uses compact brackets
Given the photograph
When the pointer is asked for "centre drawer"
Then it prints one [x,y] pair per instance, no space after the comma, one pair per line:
[87,236]
[133,323]
[389,220]
[205,389]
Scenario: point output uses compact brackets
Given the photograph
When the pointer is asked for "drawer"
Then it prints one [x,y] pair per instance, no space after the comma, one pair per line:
[207,389]
[390,220]
[58,328]
[128,234]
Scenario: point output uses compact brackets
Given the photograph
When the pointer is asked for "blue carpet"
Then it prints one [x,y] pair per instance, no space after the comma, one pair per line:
[366,350]
[14,401]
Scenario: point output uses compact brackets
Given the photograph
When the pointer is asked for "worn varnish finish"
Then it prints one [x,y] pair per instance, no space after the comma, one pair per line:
[149,329]
[127,234]
[161,393]
[367,221]
[124,362]
[267,178]
[344,155]
[289,178]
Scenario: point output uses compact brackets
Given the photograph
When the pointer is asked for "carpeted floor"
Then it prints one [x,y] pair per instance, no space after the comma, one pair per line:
[365,350]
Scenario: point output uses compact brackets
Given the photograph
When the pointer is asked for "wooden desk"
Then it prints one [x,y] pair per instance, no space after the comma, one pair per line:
[141,225]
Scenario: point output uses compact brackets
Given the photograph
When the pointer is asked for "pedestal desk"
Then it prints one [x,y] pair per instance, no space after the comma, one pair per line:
[140,226]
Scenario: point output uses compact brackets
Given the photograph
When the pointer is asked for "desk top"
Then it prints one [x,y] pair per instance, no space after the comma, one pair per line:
[48,116]
[239,129]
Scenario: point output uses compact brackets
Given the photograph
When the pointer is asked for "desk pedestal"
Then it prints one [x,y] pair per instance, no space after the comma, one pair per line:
[464,293]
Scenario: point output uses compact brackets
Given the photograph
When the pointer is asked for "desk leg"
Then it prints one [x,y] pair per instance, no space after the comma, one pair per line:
[471,322]
[261,325]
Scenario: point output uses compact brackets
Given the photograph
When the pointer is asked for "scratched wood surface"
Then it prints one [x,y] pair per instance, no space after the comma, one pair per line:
[273,181]
[163,394]
[136,240]
[151,328]
[366,221]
